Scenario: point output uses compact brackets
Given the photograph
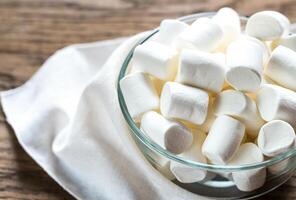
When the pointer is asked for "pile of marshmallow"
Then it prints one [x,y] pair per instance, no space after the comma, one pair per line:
[213,93]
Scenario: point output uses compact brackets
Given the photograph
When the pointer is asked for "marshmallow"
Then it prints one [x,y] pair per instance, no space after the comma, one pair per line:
[169,134]
[263,45]
[204,34]
[186,174]
[288,41]
[139,94]
[245,59]
[282,67]
[240,106]
[206,126]
[276,137]
[220,58]
[275,102]
[156,59]
[278,167]
[229,21]
[184,102]
[267,25]
[169,29]
[248,180]
[282,165]
[223,140]
[201,69]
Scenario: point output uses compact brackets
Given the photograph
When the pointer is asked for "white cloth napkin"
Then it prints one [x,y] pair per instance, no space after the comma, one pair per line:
[68,119]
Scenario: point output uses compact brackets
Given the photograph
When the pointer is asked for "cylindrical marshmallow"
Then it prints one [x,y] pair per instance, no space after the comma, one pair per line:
[206,125]
[288,41]
[186,174]
[229,21]
[263,45]
[169,134]
[184,102]
[267,25]
[276,137]
[275,102]
[279,167]
[245,59]
[223,140]
[139,94]
[282,165]
[248,180]
[282,67]
[220,58]
[204,34]
[201,69]
[156,59]
[240,106]
[169,29]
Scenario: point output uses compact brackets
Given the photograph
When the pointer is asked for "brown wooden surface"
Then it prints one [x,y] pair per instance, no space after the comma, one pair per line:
[31,30]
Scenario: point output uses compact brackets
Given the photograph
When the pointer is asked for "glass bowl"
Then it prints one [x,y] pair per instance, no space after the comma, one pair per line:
[218,184]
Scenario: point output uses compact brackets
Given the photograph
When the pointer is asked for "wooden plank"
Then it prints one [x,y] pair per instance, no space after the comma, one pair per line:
[31,30]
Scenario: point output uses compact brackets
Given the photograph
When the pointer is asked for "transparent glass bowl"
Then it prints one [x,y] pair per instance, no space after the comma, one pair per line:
[279,169]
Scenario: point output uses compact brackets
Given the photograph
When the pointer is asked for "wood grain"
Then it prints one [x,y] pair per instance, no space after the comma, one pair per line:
[31,30]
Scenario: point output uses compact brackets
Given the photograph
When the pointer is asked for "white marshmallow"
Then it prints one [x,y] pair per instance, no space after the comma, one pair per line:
[184,102]
[278,167]
[186,174]
[204,34]
[201,69]
[221,58]
[263,45]
[288,41]
[240,106]
[245,59]
[282,67]
[223,140]
[206,126]
[275,102]
[169,29]
[169,134]
[282,165]
[228,19]
[139,94]
[267,25]
[276,137]
[156,59]
[248,180]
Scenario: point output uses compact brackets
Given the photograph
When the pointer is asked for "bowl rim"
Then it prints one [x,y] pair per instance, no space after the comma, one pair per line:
[157,148]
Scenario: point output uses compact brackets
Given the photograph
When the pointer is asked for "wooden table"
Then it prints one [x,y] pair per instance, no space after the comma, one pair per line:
[31,30]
